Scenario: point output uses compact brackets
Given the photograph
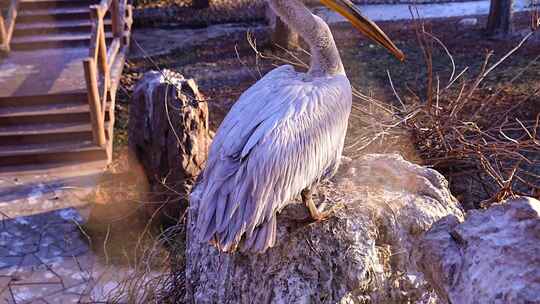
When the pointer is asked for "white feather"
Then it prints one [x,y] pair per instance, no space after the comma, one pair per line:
[284,134]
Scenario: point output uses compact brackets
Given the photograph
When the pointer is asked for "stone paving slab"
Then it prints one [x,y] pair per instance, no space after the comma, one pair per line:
[38,256]
[44,256]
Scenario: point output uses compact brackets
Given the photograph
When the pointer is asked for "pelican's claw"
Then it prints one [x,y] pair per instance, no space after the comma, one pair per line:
[318,213]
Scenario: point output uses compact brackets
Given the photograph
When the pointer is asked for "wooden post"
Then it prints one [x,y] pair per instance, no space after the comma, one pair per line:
[98,123]
[7,25]
[117,19]
[103,64]
[94,36]
[3,33]
[102,49]
[128,22]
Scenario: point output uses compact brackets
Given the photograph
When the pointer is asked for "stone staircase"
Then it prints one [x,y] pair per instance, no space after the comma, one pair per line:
[47,116]
[47,131]
[53,24]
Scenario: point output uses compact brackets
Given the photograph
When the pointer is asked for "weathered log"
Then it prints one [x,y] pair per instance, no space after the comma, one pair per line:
[492,257]
[363,254]
[168,138]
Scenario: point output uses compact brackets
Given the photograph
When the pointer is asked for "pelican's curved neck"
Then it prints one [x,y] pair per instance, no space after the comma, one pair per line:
[325,59]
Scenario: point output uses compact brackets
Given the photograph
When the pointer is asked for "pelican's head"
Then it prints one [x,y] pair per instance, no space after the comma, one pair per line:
[364,25]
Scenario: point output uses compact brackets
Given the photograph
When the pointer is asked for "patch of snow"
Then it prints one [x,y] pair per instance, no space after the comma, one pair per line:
[70,214]
[22,221]
[34,197]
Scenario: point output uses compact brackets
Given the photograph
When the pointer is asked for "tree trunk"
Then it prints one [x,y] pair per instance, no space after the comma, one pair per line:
[500,18]
[282,36]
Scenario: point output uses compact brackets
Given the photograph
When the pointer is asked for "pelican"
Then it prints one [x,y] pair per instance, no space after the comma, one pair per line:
[281,138]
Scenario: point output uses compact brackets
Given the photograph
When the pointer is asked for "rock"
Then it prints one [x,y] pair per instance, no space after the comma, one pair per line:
[467,22]
[363,254]
[168,137]
[492,257]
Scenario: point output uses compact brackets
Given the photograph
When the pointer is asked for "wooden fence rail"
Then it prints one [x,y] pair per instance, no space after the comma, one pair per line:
[97,67]
[7,25]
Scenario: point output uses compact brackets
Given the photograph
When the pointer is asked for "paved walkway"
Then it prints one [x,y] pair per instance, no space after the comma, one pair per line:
[44,255]
[44,258]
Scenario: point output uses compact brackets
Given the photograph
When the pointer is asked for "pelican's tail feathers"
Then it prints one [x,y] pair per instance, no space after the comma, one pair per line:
[262,238]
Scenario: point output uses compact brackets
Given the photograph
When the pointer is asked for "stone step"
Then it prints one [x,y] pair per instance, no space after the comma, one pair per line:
[36,42]
[59,113]
[56,27]
[51,152]
[44,100]
[53,167]
[43,133]
[53,14]
[47,4]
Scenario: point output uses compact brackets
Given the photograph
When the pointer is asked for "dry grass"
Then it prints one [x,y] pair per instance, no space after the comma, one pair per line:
[459,127]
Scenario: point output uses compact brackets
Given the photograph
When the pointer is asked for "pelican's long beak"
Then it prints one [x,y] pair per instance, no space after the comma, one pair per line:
[364,25]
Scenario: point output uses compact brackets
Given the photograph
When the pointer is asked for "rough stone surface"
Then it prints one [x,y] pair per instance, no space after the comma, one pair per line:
[362,255]
[492,257]
[168,137]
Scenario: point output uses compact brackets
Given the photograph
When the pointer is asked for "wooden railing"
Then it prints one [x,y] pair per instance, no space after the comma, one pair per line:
[97,67]
[7,25]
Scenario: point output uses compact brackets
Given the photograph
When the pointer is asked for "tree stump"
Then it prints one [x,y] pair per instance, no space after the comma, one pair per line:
[168,138]
[362,255]
[281,36]
[500,18]
[492,257]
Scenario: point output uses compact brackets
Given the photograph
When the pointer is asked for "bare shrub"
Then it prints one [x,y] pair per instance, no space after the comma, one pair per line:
[463,129]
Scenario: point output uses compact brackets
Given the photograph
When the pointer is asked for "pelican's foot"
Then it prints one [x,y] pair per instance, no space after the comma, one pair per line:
[318,213]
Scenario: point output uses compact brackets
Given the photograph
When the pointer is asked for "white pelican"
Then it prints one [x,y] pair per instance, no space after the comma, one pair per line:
[283,136]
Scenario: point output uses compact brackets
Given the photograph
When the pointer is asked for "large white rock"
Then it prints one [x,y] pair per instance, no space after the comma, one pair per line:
[362,254]
[492,257]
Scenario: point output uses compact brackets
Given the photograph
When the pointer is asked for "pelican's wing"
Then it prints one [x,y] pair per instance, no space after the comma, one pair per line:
[279,138]
[256,101]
